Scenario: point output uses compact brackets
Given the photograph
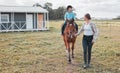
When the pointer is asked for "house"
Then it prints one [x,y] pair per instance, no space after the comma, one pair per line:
[23,18]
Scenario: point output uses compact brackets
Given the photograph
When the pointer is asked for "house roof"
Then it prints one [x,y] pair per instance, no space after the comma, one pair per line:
[22,9]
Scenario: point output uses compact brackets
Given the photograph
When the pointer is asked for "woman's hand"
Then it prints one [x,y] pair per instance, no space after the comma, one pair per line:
[75,35]
[93,42]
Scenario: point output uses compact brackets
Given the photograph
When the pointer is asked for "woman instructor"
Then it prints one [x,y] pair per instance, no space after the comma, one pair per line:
[89,37]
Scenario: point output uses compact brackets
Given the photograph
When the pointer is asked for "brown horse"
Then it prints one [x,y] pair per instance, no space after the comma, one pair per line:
[69,38]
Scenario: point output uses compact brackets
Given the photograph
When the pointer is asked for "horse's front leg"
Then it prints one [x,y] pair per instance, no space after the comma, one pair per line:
[73,49]
[68,52]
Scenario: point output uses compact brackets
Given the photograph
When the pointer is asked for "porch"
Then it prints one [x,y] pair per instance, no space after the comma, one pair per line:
[28,21]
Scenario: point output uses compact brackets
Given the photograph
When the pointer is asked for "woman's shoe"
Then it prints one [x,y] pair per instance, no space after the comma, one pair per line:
[88,65]
[85,66]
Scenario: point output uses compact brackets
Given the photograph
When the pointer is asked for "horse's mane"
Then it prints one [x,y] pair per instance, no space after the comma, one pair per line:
[70,21]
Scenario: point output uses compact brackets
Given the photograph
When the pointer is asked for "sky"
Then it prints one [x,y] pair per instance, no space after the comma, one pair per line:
[97,8]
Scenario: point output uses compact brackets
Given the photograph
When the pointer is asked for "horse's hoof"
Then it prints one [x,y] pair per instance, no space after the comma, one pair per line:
[73,57]
[69,62]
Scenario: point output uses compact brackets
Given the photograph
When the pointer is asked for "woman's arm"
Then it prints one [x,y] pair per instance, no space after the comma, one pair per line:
[95,30]
[81,30]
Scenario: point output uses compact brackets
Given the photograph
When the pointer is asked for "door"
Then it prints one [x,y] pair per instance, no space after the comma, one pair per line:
[29,21]
[40,21]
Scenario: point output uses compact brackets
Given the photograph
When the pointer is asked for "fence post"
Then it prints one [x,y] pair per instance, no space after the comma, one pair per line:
[110,30]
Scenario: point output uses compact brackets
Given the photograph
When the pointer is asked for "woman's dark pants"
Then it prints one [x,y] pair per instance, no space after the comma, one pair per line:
[87,47]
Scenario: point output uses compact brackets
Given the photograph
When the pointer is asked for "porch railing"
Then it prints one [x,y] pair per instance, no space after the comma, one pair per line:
[13,25]
[22,25]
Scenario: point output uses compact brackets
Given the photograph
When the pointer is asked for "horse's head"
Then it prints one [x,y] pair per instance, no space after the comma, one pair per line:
[71,30]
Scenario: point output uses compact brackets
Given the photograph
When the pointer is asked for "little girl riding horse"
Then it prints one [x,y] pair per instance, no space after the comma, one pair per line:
[69,15]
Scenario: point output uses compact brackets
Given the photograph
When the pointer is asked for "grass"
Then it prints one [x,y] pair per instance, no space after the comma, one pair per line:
[44,52]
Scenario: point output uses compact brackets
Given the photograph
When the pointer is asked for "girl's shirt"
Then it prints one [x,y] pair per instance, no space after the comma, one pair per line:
[69,16]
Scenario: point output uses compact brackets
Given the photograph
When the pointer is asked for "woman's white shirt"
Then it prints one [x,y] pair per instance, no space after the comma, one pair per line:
[87,29]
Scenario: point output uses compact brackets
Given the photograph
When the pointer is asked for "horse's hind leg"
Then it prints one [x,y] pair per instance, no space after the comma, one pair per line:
[72,50]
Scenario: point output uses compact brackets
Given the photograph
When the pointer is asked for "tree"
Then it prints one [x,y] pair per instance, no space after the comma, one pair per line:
[60,12]
[48,5]
[117,18]
[54,14]
[57,14]
[37,5]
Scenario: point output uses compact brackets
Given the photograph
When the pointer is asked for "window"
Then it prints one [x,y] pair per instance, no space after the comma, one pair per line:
[4,18]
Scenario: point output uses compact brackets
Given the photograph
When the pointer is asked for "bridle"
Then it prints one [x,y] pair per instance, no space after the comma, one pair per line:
[71,31]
